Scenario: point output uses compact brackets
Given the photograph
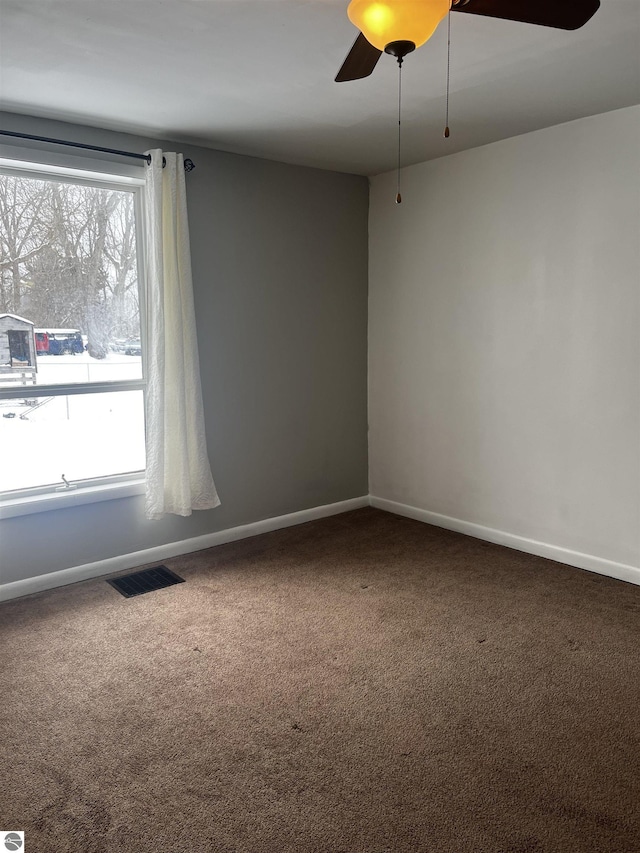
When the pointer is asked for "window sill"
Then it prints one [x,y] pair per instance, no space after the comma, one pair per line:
[11,507]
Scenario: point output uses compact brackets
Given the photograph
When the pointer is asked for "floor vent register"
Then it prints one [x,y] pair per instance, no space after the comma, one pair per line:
[147,580]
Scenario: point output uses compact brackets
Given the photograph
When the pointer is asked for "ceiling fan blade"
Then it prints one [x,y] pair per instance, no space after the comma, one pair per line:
[360,62]
[563,14]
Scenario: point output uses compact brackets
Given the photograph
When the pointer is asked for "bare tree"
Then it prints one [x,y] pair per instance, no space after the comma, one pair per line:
[120,251]
[68,258]
[24,233]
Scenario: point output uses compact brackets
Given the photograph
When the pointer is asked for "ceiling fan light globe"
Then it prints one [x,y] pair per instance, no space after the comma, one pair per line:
[385,21]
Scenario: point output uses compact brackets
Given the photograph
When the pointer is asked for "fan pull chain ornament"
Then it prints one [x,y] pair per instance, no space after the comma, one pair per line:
[398,194]
[399,49]
[446,119]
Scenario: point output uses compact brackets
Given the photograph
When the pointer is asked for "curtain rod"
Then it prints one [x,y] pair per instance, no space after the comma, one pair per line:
[189,165]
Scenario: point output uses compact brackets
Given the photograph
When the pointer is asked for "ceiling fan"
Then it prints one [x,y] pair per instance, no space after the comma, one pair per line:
[398,27]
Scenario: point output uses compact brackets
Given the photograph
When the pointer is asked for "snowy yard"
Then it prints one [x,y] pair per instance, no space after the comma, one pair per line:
[78,436]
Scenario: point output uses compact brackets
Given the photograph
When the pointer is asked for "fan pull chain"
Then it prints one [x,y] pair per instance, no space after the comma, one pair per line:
[398,195]
[446,120]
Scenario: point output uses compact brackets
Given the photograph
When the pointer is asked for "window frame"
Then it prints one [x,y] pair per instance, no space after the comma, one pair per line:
[57,496]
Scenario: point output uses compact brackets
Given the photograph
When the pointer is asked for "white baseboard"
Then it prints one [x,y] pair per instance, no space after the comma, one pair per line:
[39,583]
[620,571]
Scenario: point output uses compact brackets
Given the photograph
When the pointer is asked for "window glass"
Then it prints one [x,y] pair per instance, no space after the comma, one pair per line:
[73,436]
[70,319]
[70,270]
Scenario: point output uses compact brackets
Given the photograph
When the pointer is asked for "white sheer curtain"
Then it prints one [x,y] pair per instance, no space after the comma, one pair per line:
[178,476]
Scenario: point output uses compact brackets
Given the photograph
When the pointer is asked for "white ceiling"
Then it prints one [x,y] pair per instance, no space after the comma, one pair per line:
[256,76]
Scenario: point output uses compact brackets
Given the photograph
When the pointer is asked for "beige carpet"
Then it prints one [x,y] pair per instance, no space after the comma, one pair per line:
[360,684]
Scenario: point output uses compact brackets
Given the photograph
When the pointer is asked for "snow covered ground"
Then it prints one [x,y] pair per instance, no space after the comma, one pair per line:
[58,369]
[78,436]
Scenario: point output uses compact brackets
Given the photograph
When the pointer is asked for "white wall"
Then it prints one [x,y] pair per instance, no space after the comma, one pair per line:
[504,337]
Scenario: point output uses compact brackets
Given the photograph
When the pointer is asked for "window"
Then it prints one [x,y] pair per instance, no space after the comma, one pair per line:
[72,377]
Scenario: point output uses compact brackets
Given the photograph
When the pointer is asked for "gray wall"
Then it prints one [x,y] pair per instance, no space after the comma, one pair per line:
[280,279]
